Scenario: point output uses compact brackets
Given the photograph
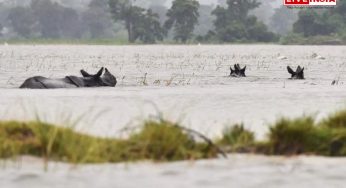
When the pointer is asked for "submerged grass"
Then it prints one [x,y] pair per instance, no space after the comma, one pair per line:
[158,141]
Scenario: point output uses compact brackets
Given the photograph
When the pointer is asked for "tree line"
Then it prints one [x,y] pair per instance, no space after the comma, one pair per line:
[51,20]
[229,21]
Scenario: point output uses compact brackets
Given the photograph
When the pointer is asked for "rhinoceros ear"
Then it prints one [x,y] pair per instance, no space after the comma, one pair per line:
[238,66]
[99,73]
[106,70]
[301,71]
[84,73]
[232,71]
[298,69]
[289,69]
[243,70]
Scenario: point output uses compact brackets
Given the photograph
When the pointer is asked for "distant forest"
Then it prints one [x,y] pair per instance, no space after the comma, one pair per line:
[174,21]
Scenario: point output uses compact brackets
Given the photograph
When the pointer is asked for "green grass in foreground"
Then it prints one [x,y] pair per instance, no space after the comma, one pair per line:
[166,141]
[295,136]
[158,141]
[238,138]
[304,135]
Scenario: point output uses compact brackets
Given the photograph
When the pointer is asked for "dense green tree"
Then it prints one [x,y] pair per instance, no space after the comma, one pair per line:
[4,12]
[337,17]
[161,11]
[264,12]
[71,25]
[149,29]
[322,22]
[49,16]
[55,20]
[22,21]
[97,19]
[283,19]
[340,9]
[137,20]
[239,9]
[311,23]
[123,10]
[183,17]
[233,23]
[305,23]
[43,18]
[205,20]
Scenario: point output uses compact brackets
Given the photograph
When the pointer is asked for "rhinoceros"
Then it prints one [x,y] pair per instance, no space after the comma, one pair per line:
[298,74]
[238,71]
[88,80]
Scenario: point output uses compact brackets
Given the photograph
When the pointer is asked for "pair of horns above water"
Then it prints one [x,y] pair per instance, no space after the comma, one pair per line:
[237,71]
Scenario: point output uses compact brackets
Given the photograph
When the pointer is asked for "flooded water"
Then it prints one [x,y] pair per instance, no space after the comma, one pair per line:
[188,84]
[243,171]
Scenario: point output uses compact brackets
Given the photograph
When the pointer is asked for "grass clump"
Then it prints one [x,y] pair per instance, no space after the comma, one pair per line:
[158,141]
[47,141]
[335,127]
[304,136]
[293,136]
[237,138]
[17,138]
[166,141]
[337,120]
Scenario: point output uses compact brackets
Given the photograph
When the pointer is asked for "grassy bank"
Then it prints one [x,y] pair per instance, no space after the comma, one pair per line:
[165,141]
[156,140]
[302,135]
